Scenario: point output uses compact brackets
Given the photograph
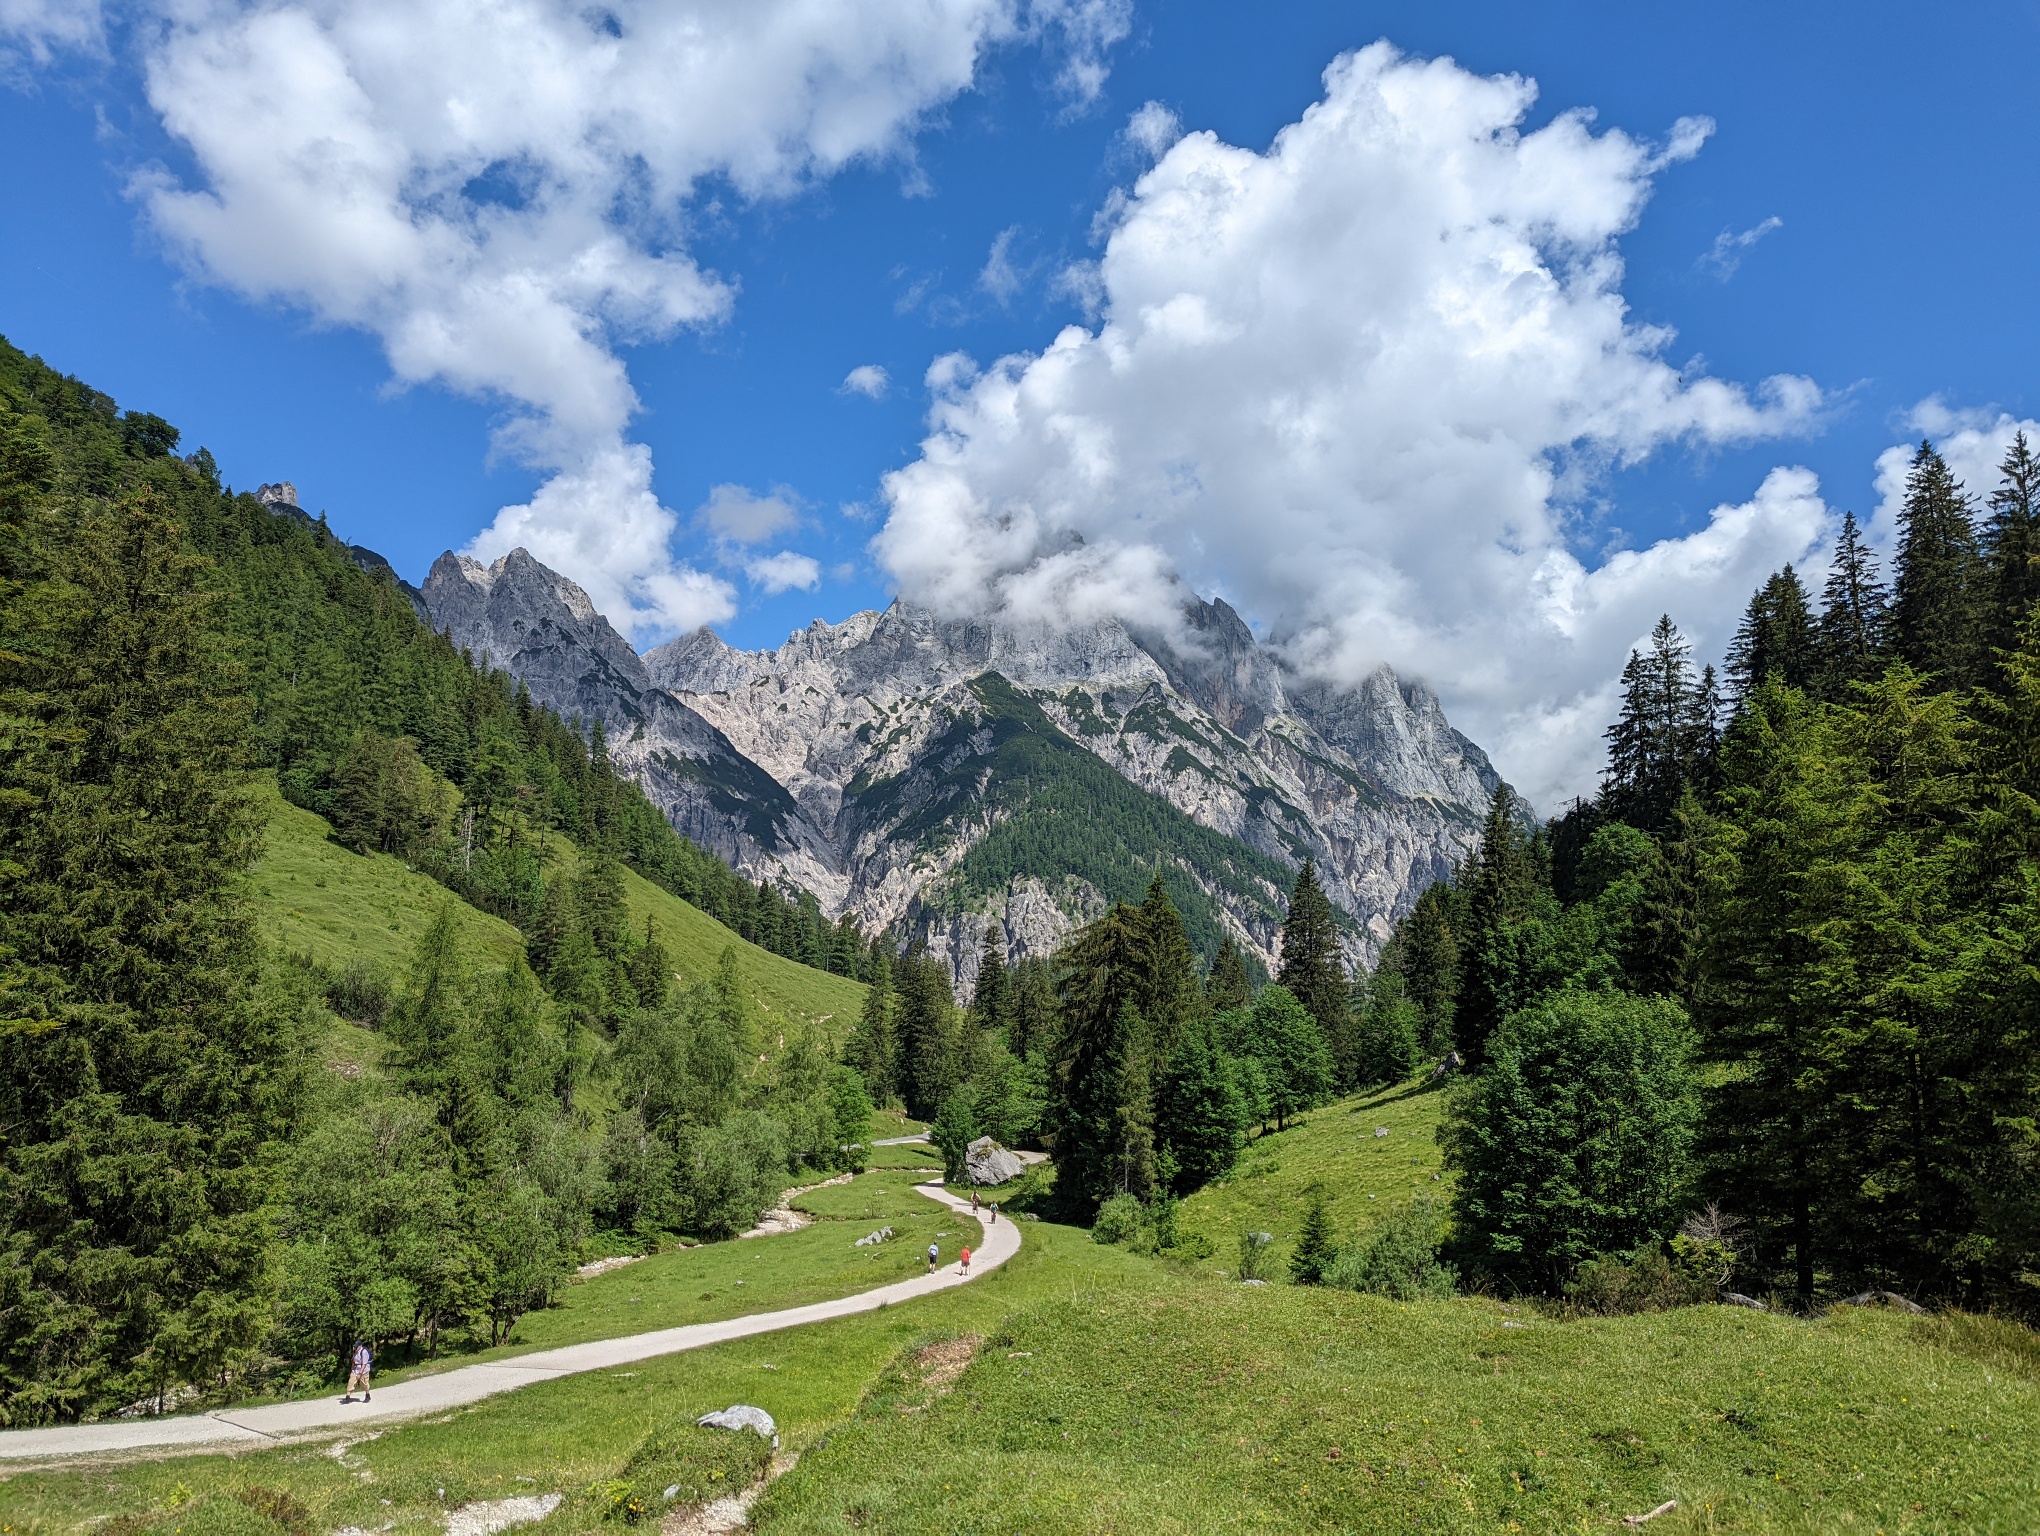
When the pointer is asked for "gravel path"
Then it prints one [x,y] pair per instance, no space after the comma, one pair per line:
[245,1428]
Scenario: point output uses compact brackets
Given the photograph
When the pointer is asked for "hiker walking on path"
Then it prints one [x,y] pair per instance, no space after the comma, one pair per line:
[973,1200]
[934,1257]
[966,1259]
[359,1364]
[995,1213]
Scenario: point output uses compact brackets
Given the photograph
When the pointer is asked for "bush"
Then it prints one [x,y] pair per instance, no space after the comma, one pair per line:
[1399,1261]
[1253,1260]
[1575,1139]
[733,1173]
[1119,1219]
[955,1128]
[360,993]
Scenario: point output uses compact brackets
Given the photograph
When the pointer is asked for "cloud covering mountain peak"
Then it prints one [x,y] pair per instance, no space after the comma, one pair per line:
[1356,383]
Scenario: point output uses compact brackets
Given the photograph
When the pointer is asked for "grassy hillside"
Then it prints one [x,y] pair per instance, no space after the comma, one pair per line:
[1364,1176]
[314,896]
[785,992]
[1113,1393]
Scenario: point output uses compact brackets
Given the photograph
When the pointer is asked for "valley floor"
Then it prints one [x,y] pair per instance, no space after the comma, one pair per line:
[1088,1389]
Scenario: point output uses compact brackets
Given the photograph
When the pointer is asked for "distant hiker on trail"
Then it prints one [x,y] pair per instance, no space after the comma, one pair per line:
[995,1213]
[973,1200]
[359,1363]
[966,1260]
[934,1257]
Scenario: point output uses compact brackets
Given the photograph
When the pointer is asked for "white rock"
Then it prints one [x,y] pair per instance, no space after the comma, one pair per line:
[486,1519]
[742,1416]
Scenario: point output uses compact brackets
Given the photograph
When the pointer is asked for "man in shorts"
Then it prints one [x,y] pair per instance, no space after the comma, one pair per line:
[934,1257]
[359,1364]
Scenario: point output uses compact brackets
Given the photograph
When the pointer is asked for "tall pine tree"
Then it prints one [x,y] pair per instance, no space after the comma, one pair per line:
[142,1079]
[1775,639]
[1938,585]
[1314,966]
[2011,543]
[1853,614]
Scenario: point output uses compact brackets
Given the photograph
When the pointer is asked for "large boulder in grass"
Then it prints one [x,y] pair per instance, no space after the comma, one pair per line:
[742,1416]
[989,1163]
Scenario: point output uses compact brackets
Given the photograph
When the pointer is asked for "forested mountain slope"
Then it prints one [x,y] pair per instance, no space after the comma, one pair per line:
[251,808]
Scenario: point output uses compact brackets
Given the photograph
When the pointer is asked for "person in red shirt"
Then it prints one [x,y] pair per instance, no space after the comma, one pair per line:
[966,1260]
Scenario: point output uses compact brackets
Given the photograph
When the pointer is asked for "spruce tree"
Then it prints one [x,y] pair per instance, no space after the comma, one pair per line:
[1853,614]
[1171,997]
[1938,584]
[1315,1246]
[872,1048]
[990,1001]
[926,1027]
[143,1079]
[1198,1109]
[1228,986]
[2011,543]
[1429,963]
[1500,891]
[1313,963]
[1101,973]
[1775,639]
[1031,1029]
[1663,735]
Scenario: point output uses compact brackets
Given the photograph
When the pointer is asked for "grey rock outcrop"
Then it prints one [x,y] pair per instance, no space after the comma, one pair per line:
[1373,781]
[543,629]
[863,760]
[989,1163]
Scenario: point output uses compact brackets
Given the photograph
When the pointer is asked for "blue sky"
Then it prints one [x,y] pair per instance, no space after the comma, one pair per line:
[1878,164]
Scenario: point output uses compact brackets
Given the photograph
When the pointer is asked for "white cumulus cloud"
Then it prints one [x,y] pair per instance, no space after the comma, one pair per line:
[1355,384]
[868,380]
[501,193]
[784,571]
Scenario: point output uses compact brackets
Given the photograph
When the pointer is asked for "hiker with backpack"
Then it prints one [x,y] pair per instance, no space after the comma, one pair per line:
[359,1363]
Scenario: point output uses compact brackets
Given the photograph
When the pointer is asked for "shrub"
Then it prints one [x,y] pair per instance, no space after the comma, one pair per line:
[1400,1261]
[1575,1139]
[732,1173]
[955,1128]
[1646,1280]
[1119,1219]
[1253,1260]
[360,993]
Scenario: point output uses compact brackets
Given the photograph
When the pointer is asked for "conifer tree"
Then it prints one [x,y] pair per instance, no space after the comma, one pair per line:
[1853,614]
[925,1024]
[990,1002]
[872,1049]
[1296,1060]
[1171,997]
[1313,964]
[1228,986]
[1776,638]
[1662,737]
[1429,963]
[1102,972]
[1938,585]
[1031,1029]
[1315,1246]
[142,1077]
[1500,891]
[1199,1110]
[2011,543]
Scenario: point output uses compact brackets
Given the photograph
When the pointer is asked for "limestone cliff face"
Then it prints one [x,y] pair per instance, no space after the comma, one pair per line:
[1374,783]
[932,774]
[542,629]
